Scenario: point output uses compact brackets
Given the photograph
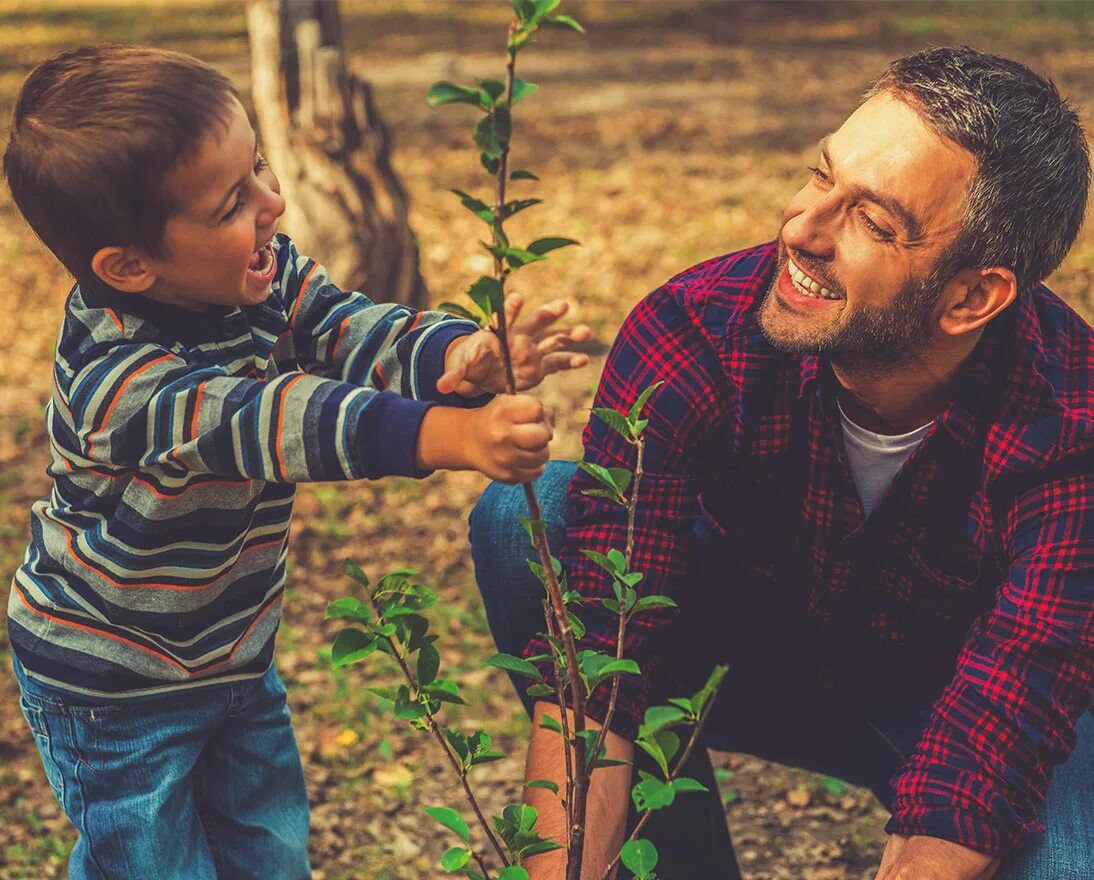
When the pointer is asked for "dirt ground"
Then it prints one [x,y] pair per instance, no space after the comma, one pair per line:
[671,133]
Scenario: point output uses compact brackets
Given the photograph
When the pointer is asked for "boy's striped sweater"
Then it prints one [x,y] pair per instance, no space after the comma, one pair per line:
[158,560]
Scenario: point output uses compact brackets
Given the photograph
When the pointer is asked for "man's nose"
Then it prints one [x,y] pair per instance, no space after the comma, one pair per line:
[811,229]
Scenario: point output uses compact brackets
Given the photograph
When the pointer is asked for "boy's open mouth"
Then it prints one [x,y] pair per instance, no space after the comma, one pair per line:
[262,264]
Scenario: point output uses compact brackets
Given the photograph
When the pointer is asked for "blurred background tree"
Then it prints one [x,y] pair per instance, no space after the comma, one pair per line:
[319,127]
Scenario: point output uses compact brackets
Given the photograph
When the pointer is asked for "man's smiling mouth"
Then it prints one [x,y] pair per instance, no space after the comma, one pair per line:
[807,286]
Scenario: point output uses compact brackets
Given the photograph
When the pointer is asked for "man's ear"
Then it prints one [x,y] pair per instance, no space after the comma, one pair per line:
[123,269]
[975,296]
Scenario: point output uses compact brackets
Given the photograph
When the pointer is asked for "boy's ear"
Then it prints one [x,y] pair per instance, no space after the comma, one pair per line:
[123,269]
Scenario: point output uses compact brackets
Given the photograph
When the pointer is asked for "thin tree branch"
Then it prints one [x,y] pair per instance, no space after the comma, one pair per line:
[672,777]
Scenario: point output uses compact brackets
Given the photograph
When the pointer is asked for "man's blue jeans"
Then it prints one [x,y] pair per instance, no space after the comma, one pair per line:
[773,707]
[204,785]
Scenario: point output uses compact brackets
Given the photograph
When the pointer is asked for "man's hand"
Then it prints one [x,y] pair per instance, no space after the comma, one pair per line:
[473,364]
[508,439]
[929,858]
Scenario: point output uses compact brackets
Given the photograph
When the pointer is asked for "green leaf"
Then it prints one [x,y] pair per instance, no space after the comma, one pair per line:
[652,794]
[576,625]
[444,691]
[461,744]
[686,783]
[461,312]
[451,820]
[565,21]
[613,419]
[520,817]
[543,783]
[351,645]
[349,609]
[487,757]
[616,479]
[539,689]
[522,174]
[648,603]
[522,90]
[493,131]
[493,88]
[409,710]
[603,560]
[455,858]
[551,243]
[659,717]
[490,162]
[429,663]
[517,257]
[548,722]
[643,398]
[639,857]
[355,571]
[684,704]
[476,206]
[445,92]
[514,664]
[542,8]
[524,9]
[488,294]
[628,667]
[699,699]
[532,527]
[513,872]
[518,205]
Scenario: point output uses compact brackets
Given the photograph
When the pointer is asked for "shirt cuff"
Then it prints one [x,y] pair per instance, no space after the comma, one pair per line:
[430,365]
[951,824]
[387,436]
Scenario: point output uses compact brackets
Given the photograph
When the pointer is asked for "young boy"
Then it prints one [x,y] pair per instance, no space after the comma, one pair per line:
[203,368]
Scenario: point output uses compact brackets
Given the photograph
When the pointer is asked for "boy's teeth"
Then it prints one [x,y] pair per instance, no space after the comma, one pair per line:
[806,285]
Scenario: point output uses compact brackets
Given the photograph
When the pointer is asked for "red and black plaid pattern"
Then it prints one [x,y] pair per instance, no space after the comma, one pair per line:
[980,556]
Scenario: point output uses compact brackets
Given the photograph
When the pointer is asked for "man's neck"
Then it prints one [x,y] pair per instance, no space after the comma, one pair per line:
[901,399]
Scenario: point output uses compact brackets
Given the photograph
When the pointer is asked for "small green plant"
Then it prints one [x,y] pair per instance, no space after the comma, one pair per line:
[390,618]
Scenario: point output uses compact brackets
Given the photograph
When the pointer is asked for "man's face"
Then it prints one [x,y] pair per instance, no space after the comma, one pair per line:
[859,241]
[228,204]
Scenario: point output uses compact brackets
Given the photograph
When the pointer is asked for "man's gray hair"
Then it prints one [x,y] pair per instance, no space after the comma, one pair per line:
[1027,200]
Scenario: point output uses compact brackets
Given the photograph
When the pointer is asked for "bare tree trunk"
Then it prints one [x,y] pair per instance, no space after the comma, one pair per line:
[326,142]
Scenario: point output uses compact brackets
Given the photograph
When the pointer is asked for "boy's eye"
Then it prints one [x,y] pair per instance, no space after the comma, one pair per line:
[232,211]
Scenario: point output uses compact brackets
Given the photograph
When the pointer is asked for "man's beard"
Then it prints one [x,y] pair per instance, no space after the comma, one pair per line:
[872,339]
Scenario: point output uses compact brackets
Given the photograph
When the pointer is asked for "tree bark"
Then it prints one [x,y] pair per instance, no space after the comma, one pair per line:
[323,137]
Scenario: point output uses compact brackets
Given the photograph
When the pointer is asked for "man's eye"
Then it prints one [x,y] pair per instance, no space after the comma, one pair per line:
[880,232]
[261,164]
[819,175]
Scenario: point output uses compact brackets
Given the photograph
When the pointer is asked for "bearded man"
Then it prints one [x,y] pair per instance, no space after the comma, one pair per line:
[869,486]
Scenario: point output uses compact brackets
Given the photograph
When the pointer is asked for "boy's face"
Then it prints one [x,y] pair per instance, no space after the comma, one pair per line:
[218,239]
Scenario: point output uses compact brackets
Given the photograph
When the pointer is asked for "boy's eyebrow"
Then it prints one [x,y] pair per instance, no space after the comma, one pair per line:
[893,206]
[231,190]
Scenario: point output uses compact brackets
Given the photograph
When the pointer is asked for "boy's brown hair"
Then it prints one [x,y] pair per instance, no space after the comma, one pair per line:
[94,134]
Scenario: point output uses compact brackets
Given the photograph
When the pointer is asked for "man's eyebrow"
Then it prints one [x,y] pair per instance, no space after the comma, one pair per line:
[893,206]
[231,190]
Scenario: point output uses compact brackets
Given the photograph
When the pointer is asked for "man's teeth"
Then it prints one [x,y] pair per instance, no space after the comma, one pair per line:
[806,285]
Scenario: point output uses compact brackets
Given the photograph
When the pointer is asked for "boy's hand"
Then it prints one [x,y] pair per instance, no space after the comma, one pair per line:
[473,364]
[507,439]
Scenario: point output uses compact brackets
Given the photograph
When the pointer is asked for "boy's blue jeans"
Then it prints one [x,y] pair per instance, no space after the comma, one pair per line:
[204,785]
[774,708]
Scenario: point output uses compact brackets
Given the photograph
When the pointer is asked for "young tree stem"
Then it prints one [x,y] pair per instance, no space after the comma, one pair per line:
[397,653]
[576,812]
[672,776]
[632,507]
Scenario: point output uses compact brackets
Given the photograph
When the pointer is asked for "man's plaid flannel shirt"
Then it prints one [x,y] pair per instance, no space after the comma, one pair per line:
[981,554]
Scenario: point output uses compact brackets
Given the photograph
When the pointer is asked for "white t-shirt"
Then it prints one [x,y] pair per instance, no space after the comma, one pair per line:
[875,459]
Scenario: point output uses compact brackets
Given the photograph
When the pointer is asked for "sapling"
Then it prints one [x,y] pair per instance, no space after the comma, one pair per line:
[391,622]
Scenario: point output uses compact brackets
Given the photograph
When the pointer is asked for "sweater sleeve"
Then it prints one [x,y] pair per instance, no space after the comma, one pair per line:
[344,335]
[134,404]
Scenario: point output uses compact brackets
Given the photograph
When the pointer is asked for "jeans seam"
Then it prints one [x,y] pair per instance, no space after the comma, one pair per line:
[79,801]
[200,808]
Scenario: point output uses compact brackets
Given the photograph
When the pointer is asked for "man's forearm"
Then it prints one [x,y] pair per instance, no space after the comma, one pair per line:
[607,805]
